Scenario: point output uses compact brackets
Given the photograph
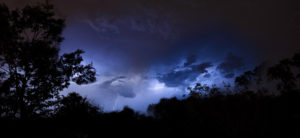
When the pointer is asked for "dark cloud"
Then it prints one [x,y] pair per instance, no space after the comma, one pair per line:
[207,75]
[202,67]
[188,73]
[174,79]
[190,60]
[229,75]
[231,64]
[267,25]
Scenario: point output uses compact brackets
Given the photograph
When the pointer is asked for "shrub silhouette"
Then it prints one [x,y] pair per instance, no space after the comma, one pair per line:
[74,106]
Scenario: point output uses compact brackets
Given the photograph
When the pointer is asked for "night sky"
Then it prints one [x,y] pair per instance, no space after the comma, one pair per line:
[144,50]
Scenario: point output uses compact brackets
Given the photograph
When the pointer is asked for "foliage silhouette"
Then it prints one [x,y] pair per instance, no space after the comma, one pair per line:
[283,72]
[73,106]
[32,72]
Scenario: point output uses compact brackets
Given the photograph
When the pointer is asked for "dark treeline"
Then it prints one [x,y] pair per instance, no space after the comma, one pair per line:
[263,103]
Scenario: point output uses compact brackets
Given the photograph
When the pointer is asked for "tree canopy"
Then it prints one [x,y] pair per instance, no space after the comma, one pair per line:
[31,69]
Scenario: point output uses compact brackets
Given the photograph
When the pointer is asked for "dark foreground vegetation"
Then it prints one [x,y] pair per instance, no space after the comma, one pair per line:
[239,115]
[263,103]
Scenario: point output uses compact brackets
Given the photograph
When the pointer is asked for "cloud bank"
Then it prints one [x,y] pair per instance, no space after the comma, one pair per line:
[144,50]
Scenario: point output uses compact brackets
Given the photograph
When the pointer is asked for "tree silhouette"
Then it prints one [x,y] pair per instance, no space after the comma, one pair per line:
[244,80]
[32,72]
[74,106]
[200,91]
[296,62]
[284,73]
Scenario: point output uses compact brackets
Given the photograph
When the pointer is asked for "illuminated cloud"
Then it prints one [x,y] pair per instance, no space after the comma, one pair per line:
[132,41]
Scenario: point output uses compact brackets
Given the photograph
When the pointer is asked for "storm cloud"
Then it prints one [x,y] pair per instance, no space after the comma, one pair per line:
[119,85]
[182,41]
[158,23]
[230,65]
[180,76]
